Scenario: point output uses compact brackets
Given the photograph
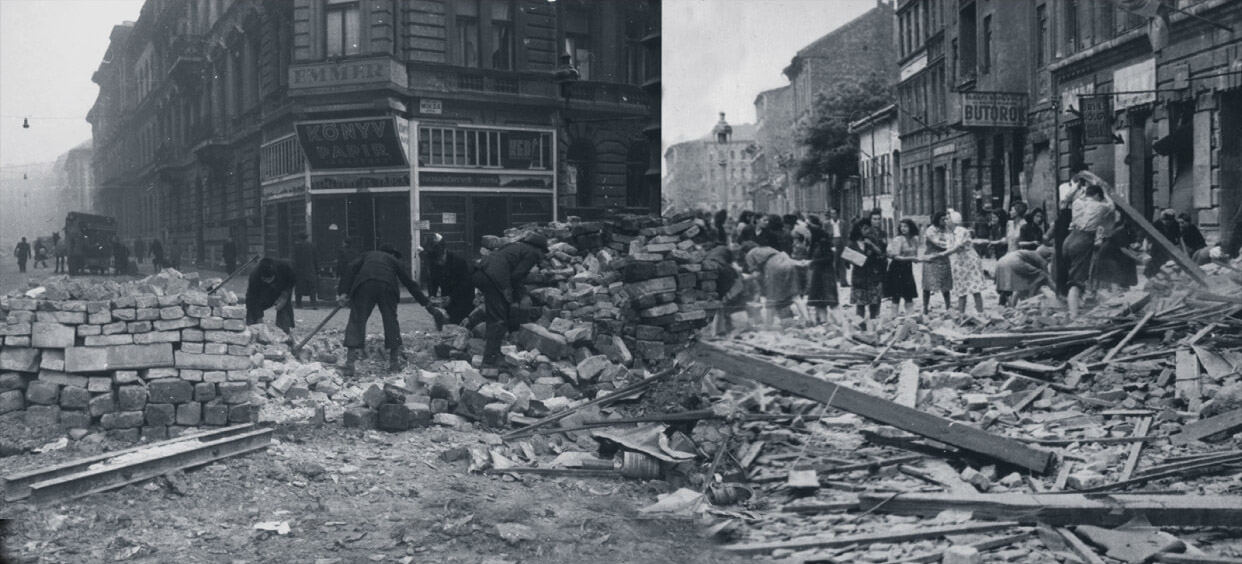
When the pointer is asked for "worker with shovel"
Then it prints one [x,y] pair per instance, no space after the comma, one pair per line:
[501,276]
[270,286]
[372,280]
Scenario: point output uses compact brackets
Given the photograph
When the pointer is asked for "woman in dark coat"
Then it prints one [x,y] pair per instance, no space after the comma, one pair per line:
[867,281]
[821,293]
[1031,234]
[746,229]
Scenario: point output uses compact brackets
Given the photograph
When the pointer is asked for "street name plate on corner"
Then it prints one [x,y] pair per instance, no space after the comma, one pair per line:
[431,107]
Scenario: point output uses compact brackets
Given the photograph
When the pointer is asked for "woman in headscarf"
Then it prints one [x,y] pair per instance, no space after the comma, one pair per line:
[821,294]
[937,274]
[778,274]
[903,251]
[964,263]
[745,229]
[867,281]
[1091,218]
[1021,273]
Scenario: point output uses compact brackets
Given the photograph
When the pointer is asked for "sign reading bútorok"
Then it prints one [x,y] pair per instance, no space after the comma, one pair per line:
[351,143]
[1097,119]
[993,109]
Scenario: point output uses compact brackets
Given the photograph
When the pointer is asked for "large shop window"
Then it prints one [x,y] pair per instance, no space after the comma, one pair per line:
[343,28]
[475,148]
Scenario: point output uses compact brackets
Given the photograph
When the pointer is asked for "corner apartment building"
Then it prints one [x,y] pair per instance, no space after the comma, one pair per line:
[260,119]
[879,156]
[775,163]
[1163,125]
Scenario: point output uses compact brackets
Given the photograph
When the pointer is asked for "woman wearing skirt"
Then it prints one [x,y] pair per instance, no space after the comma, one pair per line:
[937,276]
[899,281]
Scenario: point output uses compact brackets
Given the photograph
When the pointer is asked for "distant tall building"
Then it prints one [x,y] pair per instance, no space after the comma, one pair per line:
[712,173]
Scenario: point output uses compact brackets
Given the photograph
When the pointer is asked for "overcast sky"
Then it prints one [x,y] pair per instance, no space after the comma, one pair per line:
[48,51]
[720,54]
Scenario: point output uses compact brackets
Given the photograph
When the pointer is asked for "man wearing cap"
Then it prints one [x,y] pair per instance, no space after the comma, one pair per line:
[271,285]
[501,276]
[372,280]
[448,274]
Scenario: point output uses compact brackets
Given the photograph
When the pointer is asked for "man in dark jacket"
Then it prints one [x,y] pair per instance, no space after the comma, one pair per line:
[448,275]
[22,252]
[271,285]
[502,278]
[371,280]
[306,266]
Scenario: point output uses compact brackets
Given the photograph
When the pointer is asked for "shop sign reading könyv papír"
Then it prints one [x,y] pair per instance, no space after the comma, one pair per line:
[352,143]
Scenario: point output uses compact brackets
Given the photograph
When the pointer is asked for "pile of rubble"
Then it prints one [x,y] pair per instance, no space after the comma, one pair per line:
[145,358]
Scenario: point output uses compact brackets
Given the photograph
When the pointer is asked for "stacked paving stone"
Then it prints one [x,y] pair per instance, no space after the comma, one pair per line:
[610,300]
[148,359]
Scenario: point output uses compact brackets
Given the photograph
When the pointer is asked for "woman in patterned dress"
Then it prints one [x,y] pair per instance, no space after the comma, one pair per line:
[964,263]
[937,275]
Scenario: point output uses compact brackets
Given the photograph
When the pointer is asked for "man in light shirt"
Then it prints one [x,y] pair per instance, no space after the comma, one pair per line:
[833,226]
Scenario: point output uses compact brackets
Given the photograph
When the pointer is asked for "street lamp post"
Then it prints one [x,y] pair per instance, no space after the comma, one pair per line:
[723,132]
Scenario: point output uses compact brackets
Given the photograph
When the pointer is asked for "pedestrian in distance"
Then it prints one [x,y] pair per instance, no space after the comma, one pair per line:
[306,266]
[22,252]
[40,253]
[373,280]
[157,255]
[120,257]
[61,253]
[501,276]
[270,287]
[140,250]
[230,256]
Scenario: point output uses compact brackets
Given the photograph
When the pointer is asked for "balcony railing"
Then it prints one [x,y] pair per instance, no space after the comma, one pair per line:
[524,84]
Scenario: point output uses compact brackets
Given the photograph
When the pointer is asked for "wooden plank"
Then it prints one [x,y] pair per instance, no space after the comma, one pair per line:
[17,486]
[113,476]
[824,507]
[627,391]
[872,466]
[981,546]
[1136,448]
[867,539]
[1215,366]
[1030,398]
[1172,558]
[1187,383]
[1129,337]
[1088,555]
[879,409]
[1062,509]
[908,385]
[752,452]
[1200,469]
[1025,366]
[1187,462]
[1208,427]
[1179,257]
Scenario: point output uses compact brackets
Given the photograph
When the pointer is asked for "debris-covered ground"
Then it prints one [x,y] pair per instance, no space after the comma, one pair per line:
[607,434]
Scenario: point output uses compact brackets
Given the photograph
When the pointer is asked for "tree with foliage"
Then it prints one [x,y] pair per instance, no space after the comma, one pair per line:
[831,150]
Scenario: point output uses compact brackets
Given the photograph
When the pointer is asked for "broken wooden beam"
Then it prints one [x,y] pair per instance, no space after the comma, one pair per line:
[879,409]
[622,393]
[147,463]
[17,486]
[1069,508]
[1129,337]
[1179,257]
[1176,558]
[981,546]
[1132,461]
[867,539]
[1204,428]
[1089,556]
